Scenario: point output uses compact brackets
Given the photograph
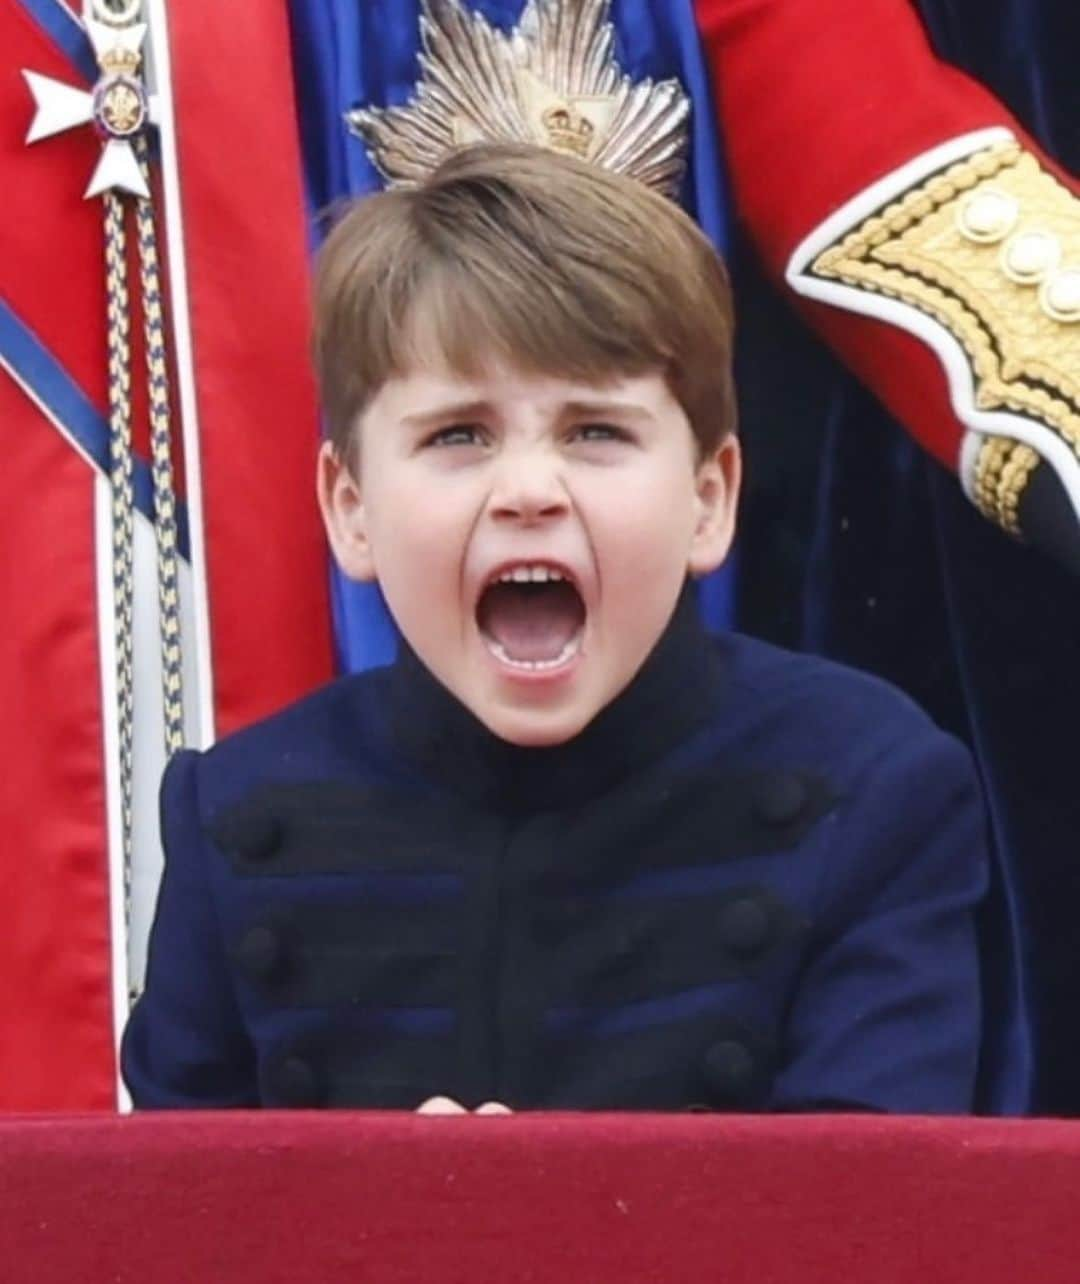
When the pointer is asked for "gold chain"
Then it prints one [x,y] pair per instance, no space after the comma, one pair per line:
[164,495]
[123,542]
[157,377]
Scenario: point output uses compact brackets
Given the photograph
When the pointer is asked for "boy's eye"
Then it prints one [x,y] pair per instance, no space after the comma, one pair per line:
[601,432]
[457,435]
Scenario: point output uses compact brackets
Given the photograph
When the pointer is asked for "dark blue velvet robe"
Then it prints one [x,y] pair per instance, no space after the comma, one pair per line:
[860,547]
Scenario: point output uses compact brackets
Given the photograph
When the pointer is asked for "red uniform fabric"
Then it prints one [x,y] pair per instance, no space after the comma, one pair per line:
[269,613]
[817,102]
[55,1007]
[245,231]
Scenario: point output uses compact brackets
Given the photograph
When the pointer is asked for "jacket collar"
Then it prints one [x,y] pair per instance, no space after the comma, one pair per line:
[673,693]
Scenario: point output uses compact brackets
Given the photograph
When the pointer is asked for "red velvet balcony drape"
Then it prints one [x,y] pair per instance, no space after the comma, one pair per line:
[573,1199]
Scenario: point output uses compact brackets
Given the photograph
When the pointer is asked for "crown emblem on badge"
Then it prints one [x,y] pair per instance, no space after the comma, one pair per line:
[119,61]
[567,130]
[553,80]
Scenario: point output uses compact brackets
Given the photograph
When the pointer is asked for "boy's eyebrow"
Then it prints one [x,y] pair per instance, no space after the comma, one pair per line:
[621,409]
[452,410]
[467,410]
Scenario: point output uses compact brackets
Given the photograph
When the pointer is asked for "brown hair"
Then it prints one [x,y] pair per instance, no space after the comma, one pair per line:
[553,264]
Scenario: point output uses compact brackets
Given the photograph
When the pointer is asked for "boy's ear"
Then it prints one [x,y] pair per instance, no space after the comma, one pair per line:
[717,482]
[342,506]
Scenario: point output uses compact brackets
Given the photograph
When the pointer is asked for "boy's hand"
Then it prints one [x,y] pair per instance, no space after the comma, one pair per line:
[447,1106]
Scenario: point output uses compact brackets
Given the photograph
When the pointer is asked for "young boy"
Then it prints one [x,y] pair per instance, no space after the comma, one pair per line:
[567,851]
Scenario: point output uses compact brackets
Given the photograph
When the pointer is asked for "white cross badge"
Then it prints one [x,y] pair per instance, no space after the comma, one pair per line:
[118,106]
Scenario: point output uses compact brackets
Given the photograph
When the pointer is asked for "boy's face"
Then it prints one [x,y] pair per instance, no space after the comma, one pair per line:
[465,488]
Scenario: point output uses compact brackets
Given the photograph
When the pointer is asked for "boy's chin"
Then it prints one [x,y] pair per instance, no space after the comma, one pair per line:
[535,728]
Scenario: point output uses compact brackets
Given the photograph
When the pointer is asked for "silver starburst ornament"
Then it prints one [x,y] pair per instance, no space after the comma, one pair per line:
[118,105]
[553,81]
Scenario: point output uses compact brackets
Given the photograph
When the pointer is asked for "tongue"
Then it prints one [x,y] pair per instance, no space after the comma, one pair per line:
[531,621]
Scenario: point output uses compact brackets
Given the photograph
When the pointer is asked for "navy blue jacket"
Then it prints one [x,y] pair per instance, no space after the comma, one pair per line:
[748,884]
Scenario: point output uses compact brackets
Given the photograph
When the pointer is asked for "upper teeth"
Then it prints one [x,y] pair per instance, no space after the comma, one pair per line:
[523,574]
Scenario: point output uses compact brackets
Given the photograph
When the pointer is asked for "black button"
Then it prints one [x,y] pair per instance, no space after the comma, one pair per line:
[260,953]
[730,1068]
[745,926]
[296,1083]
[780,799]
[255,837]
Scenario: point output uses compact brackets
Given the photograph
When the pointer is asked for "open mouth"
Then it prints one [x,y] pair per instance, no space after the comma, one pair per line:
[532,618]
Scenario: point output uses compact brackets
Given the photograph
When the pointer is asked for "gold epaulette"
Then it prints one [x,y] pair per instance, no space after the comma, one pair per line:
[978,253]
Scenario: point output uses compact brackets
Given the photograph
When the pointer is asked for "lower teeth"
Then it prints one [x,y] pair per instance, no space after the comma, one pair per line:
[500,653]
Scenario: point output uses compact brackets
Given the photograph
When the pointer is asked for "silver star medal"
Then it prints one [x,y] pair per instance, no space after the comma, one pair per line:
[118,106]
[552,81]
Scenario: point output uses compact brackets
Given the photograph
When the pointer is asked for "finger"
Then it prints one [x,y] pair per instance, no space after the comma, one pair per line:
[493,1108]
[441,1106]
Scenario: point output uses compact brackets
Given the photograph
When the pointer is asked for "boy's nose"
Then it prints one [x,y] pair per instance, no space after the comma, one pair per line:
[528,490]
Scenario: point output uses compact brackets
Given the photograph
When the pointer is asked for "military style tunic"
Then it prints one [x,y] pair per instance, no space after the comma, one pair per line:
[748,884]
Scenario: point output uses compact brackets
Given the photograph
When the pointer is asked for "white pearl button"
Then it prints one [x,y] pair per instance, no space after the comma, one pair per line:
[1060,296]
[988,216]
[1027,258]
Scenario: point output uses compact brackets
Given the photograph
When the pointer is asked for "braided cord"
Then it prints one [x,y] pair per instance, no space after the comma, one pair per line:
[161,465]
[120,470]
